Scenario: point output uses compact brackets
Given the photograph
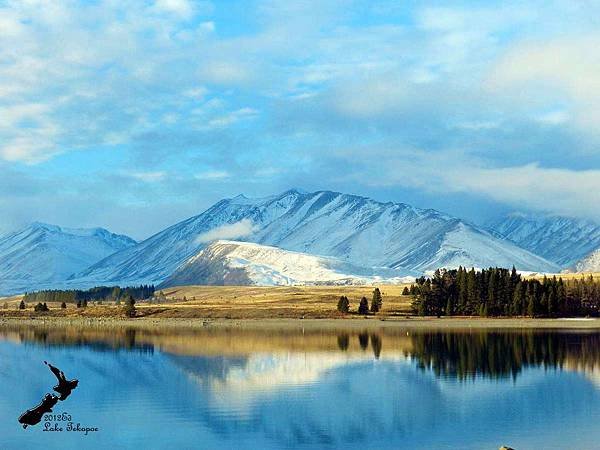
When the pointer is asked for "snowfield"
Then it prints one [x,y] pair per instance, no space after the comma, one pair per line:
[240,263]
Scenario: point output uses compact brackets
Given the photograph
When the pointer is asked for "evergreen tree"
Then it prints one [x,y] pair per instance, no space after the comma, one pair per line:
[405,291]
[363,307]
[437,297]
[130,307]
[561,298]
[41,307]
[491,293]
[531,309]
[517,300]
[463,291]
[22,305]
[472,292]
[343,305]
[63,305]
[483,310]
[551,305]
[377,301]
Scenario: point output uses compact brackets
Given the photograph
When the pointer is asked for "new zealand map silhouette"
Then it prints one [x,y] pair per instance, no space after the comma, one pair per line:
[64,388]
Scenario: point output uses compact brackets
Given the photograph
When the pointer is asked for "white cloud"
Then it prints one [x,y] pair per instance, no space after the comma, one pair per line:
[225,72]
[557,190]
[29,150]
[182,8]
[553,118]
[233,117]
[213,175]
[96,71]
[209,26]
[236,230]
[148,177]
[545,72]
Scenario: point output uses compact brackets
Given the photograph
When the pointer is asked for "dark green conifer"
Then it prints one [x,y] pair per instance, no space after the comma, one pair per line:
[377,301]
[343,305]
[363,307]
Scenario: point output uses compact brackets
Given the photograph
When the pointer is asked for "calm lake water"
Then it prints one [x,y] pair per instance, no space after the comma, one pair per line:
[223,389]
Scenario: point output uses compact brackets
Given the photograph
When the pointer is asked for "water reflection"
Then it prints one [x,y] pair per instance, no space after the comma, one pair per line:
[499,355]
[377,388]
[459,354]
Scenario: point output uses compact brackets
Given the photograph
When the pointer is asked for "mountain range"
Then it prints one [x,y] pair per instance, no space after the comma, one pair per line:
[294,237]
[44,256]
[353,229]
[562,240]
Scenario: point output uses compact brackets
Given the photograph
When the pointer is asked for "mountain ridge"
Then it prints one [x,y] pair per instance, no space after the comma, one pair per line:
[351,228]
[41,255]
[560,239]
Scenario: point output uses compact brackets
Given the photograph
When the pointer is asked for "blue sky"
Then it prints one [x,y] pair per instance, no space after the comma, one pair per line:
[136,114]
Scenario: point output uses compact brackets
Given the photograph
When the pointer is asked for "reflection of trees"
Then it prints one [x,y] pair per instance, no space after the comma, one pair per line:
[501,354]
[459,354]
[363,340]
[376,344]
[343,342]
[123,338]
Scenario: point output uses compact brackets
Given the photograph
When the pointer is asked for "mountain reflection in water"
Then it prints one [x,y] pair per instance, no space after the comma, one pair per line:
[288,388]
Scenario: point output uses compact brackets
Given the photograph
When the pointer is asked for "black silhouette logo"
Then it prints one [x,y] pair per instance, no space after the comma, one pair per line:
[64,387]
[34,415]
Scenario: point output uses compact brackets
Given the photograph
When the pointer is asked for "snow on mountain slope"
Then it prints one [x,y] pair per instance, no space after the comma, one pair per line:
[244,263]
[591,263]
[562,240]
[355,229]
[41,255]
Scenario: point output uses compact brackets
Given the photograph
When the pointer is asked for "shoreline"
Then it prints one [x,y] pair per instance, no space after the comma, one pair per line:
[416,322]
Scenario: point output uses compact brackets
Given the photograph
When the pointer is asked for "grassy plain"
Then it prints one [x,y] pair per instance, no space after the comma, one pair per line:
[244,302]
[235,302]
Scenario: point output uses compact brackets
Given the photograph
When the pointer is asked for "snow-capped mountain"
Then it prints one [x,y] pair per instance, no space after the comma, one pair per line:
[350,228]
[245,263]
[562,240]
[43,255]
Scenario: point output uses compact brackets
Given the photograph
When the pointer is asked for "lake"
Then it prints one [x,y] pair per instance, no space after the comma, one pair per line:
[224,388]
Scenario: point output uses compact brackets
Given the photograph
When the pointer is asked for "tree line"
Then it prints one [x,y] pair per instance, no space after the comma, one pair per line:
[99,293]
[501,292]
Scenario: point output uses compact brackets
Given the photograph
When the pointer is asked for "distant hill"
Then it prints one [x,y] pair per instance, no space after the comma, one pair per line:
[43,255]
[562,240]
